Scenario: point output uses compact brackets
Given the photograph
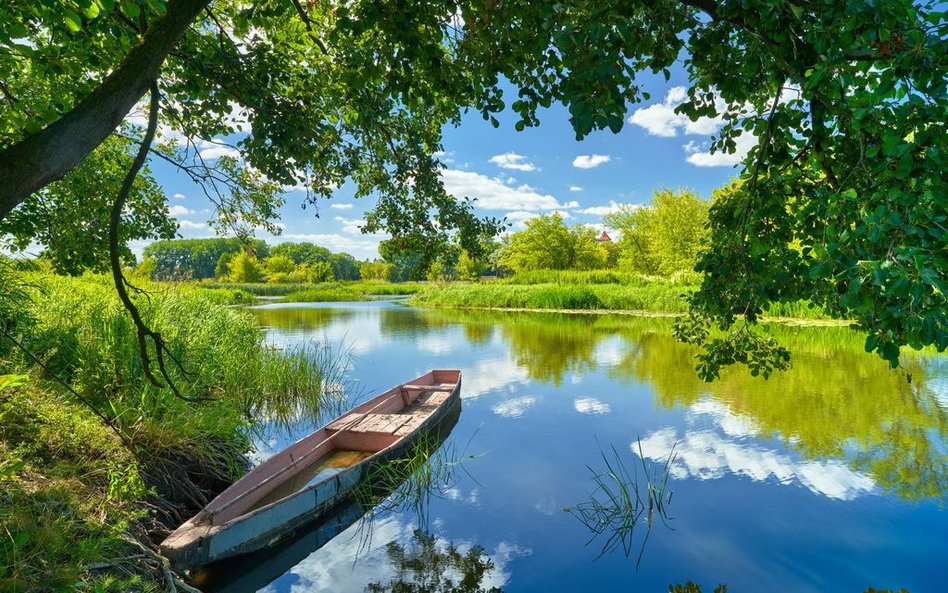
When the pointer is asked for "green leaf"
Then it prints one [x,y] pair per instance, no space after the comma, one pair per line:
[73,20]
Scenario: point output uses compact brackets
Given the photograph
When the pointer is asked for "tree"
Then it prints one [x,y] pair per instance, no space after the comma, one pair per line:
[550,243]
[470,268]
[222,269]
[279,264]
[245,268]
[320,107]
[376,270]
[302,252]
[196,258]
[70,219]
[344,266]
[663,237]
[842,201]
[315,273]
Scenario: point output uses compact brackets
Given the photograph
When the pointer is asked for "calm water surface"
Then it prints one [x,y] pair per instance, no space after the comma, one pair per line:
[830,477]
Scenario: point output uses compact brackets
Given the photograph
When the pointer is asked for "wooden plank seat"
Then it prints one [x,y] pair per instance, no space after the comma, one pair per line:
[431,387]
[362,423]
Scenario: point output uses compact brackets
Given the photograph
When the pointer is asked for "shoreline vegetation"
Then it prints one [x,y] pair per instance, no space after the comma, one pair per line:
[561,291]
[97,464]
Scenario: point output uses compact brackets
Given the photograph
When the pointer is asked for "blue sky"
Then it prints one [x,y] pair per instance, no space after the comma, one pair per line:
[517,174]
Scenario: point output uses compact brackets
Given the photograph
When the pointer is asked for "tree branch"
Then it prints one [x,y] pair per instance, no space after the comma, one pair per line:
[144,333]
[40,159]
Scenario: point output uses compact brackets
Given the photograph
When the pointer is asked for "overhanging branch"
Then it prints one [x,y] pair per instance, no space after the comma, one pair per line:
[46,156]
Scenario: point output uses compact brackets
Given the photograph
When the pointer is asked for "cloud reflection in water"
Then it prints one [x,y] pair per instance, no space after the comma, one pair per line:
[727,444]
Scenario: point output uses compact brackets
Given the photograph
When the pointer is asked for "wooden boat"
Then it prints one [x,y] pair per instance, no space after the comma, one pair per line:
[306,480]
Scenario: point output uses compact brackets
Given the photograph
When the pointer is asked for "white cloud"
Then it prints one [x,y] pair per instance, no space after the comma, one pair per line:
[514,408]
[341,206]
[519,218]
[700,156]
[211,150]
[512,160]
[493,374]
[353,226]
[178,196]
[603,210]
[187,224]
[178,210]
[588,161]
[590,405]
[349,561]
[492,194]
[575,188]
[660,119]
[444,157]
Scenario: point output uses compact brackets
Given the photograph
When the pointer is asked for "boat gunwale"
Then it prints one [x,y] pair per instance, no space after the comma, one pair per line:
[217,527]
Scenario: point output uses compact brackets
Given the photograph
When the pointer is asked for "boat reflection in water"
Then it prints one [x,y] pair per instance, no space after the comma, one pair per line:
[405,483]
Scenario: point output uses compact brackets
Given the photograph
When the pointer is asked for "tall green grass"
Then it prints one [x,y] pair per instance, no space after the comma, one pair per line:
[174,453]
[326,293]
[654,297]
[350,291]
[259,288]
[598,277]
[595,290]
[303,292]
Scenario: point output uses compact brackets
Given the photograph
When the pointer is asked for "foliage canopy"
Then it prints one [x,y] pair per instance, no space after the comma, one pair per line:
[843,195]
[548,242]
[663,237]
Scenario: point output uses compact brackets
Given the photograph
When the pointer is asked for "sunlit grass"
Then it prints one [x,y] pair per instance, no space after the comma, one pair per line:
[659,297]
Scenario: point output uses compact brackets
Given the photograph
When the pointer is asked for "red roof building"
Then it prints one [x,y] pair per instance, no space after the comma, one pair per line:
[604,237]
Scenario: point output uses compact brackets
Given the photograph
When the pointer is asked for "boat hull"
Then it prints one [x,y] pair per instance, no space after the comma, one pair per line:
[201,540]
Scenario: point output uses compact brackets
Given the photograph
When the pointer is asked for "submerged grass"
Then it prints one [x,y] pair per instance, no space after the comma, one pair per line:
[622,500]
[431,469]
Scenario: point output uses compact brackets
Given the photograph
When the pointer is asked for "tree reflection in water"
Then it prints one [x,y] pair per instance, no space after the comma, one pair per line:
[426,566]
[836,402]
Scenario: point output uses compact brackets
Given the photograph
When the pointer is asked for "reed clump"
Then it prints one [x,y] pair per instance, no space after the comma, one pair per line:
[624,499]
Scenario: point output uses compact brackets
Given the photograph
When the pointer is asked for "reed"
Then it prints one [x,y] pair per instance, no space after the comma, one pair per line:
[656,297]
[326,294]
[622,500]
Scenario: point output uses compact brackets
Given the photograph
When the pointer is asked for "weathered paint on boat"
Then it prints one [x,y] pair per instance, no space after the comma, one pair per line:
[387,425]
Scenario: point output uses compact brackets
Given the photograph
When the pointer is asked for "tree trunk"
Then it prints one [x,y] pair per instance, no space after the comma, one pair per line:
[48,155]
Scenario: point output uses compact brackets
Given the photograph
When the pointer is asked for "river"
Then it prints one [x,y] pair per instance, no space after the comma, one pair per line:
[829,477]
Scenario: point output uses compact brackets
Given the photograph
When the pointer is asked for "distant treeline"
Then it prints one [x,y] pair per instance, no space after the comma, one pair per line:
[240,260]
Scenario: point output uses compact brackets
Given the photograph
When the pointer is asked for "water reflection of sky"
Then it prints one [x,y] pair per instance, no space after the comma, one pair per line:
[717,443]
[779,497]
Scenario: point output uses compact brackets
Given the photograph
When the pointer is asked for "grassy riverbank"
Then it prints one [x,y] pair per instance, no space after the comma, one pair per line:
[326,292]
[584,291]
[96,463]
